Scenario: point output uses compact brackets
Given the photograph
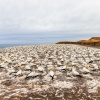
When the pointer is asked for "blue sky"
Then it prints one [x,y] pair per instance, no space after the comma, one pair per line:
[20,20]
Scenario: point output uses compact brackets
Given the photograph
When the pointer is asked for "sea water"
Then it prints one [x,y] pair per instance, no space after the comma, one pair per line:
[8,40]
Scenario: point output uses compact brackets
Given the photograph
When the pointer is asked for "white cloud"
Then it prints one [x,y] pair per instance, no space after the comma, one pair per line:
[76,16]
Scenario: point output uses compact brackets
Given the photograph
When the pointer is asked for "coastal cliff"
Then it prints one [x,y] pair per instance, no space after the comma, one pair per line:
[94,41]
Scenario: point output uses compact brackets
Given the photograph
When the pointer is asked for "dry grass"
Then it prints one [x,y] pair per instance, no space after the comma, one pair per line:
[95,41]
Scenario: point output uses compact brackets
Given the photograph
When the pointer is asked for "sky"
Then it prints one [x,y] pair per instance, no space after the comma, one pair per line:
[28,17]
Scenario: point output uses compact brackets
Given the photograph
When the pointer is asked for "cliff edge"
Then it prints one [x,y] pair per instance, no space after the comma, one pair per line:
[94,41]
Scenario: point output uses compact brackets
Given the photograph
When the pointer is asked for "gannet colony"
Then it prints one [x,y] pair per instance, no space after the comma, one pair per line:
[50,72]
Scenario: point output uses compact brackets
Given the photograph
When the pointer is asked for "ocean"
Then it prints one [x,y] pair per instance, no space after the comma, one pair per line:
[22,39]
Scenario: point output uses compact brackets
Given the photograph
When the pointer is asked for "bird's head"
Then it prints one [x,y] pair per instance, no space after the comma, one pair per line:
[33,69]
[38,65]
[52,68]
[86,67]
[65,64]
[91,65]
[73,67]
[50,60]
[27,63]
[19,68]
[30,84]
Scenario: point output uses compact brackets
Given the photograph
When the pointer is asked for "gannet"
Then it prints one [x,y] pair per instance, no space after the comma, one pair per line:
[95,66]
[11,71]
[61,67]
[3,65]
[40,68]
[64,67]
[86,70]
[50,62]
[73,64]
[75,73]
[19,72]
[32,74]
[51,73]
[29,59]
[27,67]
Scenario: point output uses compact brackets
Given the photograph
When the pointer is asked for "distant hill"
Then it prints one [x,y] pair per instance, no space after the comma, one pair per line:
[94,41]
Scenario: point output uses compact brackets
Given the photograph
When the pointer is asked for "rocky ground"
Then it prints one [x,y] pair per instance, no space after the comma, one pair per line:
[63,87]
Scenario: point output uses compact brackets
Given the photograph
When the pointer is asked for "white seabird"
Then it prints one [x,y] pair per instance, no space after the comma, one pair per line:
[95,66]
[75,73]
[19,72]
[32,74]
[27,67]
[86,70]
[40,68]
[51,73]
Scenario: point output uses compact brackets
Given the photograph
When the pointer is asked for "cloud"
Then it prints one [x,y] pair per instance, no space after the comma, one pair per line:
[74,16]
[23,21]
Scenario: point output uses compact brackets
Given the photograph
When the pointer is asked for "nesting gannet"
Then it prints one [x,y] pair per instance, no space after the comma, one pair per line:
[50,62]
[69,74]
[86,70]
[19,72]
[3,65]
[27,67]
[75,73]
[40,68]
[51,73]
[95,66]
[32,74]
[59,63]
[11,71]
[30,85]
[22,63]
[62,67]
[73,64]
[29,58]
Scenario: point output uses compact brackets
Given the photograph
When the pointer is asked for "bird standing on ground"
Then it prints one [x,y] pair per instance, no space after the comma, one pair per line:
[95,67]
[27,67]
[86,70]
[32,74]
[40,68]
[51,73]
[19,72]
[75,73]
